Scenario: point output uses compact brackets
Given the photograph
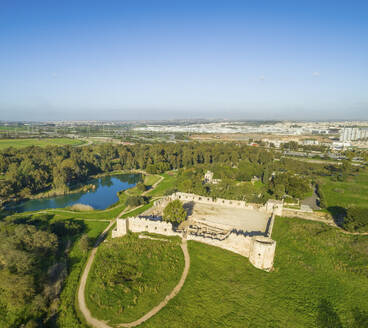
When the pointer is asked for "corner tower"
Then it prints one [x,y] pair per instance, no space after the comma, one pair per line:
[262,252]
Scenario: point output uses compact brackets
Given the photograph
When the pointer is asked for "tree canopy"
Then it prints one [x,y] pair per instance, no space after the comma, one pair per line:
[174,212]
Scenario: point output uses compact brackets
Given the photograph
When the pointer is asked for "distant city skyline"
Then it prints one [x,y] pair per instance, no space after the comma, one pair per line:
[121,60]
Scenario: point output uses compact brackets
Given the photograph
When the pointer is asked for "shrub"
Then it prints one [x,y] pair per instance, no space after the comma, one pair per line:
[135,201]
[356,219]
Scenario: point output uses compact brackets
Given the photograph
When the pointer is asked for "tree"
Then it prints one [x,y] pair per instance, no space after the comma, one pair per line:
[174,212]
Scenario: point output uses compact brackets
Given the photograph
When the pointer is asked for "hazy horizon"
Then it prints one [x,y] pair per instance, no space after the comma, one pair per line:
[195,59]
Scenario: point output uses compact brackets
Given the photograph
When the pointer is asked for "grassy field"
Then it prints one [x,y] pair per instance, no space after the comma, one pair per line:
[320,280]
[130,276]
[168,183]
[21,143]
[149,180]
[353,191]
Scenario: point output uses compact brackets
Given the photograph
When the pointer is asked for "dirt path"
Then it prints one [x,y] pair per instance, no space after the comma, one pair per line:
[102,324]
[83,280]
[82,286]
[173,293]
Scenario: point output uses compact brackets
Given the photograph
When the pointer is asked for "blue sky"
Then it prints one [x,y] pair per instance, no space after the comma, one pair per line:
[183,59]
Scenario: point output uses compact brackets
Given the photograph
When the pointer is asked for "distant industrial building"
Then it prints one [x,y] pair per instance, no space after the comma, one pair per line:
[352,134]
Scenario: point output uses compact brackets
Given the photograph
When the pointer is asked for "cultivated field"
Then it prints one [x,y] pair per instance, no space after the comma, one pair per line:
[21,143]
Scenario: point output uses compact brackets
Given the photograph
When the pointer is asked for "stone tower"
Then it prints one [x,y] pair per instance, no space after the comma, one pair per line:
[262,252]
[121,228]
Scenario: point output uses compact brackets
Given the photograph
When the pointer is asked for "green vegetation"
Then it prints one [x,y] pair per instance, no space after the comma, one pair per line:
[320,277]
[167,186]
[67,315]
[134,201]
[130,276]
[174,212]
[356,219]
[352,191]
[33,266]
[21,143]
[150,180]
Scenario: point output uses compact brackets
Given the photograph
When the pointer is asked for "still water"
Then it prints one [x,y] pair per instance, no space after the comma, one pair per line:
[100,198]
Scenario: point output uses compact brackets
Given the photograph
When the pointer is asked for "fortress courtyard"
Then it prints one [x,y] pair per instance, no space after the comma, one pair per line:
[240,219]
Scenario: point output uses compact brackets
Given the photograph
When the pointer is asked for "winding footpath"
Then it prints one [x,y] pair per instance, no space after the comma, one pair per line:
[94,322]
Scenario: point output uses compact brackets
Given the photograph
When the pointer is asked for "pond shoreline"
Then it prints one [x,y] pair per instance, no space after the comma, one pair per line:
[75,188]
[104,188]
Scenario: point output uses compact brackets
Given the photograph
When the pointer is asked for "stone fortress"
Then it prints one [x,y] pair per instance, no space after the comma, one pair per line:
[234,225]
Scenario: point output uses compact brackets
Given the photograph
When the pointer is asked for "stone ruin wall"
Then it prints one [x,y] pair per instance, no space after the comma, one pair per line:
[235,242]
[186,197]
[270,206]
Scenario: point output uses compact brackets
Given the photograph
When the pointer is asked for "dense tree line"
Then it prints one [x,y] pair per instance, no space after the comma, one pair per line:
[32,268]
[32,170]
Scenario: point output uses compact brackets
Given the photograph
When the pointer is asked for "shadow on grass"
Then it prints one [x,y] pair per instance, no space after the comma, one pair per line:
[327,316]
[338,214]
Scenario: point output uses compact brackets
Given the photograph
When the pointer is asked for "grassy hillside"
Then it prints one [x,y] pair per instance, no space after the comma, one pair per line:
[130,276]
[320,280]
[20,143]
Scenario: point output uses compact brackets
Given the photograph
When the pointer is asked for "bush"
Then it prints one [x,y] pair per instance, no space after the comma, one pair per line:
[141,187]
[135,201]
[356,219]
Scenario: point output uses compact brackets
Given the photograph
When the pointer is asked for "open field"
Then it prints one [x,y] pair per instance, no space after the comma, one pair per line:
[149,180]
[130,276]
[21,143]
[353,191]
[320,280]
[168,183]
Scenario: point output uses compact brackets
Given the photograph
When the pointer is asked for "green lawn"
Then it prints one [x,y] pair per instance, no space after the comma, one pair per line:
[320,276]
[130,276]
[20,143]
[353,191]
[149,180]
[168,183]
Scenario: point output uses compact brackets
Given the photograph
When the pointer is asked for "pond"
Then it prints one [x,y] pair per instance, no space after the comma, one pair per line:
[103,196]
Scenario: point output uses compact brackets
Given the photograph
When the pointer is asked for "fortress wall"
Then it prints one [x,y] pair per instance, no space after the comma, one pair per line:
[239,244]
[185,197]
[137,224]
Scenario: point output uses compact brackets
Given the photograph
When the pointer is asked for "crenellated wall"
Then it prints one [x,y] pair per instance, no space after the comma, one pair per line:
[186,197]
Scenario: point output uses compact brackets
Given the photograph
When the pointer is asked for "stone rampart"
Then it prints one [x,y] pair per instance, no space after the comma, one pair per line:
[141,224]
[186,197]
